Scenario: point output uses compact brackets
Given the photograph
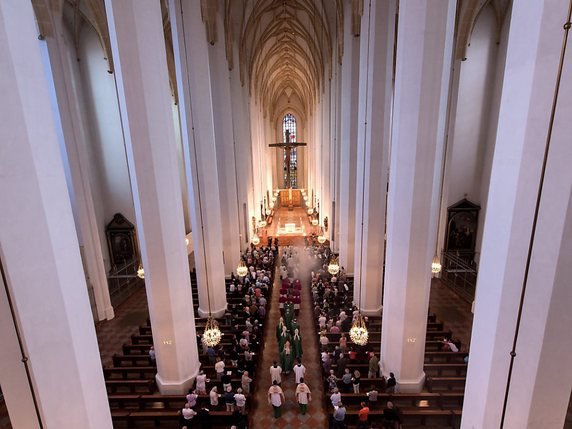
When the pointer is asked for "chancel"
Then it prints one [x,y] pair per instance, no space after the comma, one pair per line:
[400,256]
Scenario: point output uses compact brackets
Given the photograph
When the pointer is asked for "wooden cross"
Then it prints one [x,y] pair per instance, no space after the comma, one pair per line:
[288,145]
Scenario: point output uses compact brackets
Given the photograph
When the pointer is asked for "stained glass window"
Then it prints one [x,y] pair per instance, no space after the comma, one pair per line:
[289,123]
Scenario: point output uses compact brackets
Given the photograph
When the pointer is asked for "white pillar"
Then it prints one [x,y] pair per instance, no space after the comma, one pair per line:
[138,46]
[223,118]
[348,141]
[424,53]
[199,144]
[40,251]
[375,85]
[242,149]
[541,380]
[77,159]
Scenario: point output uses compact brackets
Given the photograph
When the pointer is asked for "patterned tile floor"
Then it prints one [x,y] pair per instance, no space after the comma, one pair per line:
[453,310]
[112,334]
[291,417]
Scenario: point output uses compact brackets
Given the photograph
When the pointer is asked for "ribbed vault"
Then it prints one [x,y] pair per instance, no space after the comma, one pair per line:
[286,52]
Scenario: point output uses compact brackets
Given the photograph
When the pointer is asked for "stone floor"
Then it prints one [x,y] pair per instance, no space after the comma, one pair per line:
[291,417]
[453,310]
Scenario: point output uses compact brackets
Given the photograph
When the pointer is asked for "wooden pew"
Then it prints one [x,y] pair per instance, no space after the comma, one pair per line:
[445,369]
[445,383]
[131,386]
[126,372]
[445,357]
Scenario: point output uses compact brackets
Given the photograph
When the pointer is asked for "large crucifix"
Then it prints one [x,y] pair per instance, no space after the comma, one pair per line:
[287,145]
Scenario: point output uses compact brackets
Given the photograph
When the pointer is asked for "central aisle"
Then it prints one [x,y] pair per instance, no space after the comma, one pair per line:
[291,418]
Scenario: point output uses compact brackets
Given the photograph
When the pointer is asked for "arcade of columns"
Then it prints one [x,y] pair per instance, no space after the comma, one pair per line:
[528,224]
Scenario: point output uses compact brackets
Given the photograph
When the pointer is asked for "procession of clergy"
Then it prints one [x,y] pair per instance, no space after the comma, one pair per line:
[288,336]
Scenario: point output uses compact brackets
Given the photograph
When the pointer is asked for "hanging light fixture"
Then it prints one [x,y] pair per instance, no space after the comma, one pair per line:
[310,210]
[268,212]
[212,334]
[306,198]
[140,271]
[322,238]
[262,223]
[436,265]
[242,269]
[255,240]
[334,266]
[358,332]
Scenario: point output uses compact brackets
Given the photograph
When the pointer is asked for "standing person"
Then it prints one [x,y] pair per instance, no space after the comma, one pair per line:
[391,416]
[187,415]
[240,400]
[347,381]
[192,398]
[275,372]
[343,343]
[336,397]
[363,416]
[373,366]
[297,344]
[391,383]
[213,395]
[356,379]
[303,396]
[276,398]
[245,382]
[342,365]
[219,368]
[299,371]
[339,416]
[283,339]
[287,358]
[226,380]
[372,397]
[229,399]
[201,383]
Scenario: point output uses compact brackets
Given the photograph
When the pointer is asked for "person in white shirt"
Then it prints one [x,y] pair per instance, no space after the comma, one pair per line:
[188,413]
[324,341]
[336,397]
[213,395]
[276,398]
[201,383]
[245,382]
[275,372]
[240,400]
[303,396]
[219,368]
[299,371]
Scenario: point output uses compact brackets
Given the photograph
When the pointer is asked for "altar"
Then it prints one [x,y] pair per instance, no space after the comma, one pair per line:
[290,228]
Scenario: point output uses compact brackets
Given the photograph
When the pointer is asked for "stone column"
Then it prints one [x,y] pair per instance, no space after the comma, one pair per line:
[523,292]
[138,46]
[424,55]
[79,165]
[223,118]
[348,141]
[375,85]
[199,144]
[39,250]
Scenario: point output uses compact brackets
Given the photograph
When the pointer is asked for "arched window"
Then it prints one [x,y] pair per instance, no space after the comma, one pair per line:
[289,123]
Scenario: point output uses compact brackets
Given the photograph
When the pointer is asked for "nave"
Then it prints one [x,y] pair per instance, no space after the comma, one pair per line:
[133,313]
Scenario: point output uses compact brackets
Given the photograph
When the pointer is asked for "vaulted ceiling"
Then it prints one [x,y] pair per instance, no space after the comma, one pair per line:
[285,51]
